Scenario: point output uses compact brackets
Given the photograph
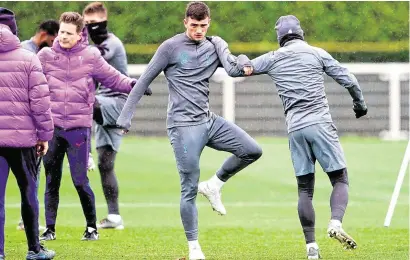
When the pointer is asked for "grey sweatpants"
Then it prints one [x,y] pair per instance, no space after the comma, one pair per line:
[188,143]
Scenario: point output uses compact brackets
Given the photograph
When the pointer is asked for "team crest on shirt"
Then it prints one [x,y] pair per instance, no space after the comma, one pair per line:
[207,59]
[183,58]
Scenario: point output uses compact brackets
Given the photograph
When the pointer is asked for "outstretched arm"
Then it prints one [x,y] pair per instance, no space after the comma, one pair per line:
[157,64]
[347,80]
[109,76]
[233,65]
[263,63]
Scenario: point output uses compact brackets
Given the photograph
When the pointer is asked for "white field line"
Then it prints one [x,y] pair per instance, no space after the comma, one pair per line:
[200,204]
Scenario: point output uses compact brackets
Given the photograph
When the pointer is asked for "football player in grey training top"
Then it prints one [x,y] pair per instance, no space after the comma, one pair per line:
[188,61]
[297,70]
[107,108]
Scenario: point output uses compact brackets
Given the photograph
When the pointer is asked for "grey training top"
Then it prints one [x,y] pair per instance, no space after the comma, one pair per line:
[113,52]
[188,66]
[297,69]
[30,46]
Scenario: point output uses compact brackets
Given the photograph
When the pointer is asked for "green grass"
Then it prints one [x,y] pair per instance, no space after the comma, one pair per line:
[262,221]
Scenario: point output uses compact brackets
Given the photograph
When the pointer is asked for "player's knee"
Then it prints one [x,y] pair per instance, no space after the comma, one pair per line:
[189,182]
[105,159]
[81,185]
[189,192]
[254,153]
[306,183]
[338,176]
[29,199]
[105,167]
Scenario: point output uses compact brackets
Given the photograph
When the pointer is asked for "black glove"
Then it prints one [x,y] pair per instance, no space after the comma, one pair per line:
[360,109]
[148,92]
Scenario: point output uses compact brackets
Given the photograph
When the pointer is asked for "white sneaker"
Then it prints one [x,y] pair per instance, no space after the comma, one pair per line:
[109,223]
[313,251]
[21,226]
[196,254]
[213,194]
[91,164]
[336,231]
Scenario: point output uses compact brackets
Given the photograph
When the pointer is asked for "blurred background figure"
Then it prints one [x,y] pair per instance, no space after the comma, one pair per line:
[46,33]
[44,37]
[107,108]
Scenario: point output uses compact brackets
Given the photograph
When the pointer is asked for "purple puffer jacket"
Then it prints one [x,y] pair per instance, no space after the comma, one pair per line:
[70,74]
[25,115]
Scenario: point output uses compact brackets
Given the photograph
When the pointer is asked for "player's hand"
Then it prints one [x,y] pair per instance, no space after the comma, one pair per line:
[148,92]
[248,70]
[360,109]
[91,164]
[41,148]
[124,131]
[123,124]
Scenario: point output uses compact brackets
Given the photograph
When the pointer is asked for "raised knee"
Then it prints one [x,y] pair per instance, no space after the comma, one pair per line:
[254,153]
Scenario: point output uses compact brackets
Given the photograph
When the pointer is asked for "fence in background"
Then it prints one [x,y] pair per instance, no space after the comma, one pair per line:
[253,104]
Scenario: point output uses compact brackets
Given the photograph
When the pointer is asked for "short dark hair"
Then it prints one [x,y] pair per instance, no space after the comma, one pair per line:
[73,18]
[95,7]
[198,11]
[51,27]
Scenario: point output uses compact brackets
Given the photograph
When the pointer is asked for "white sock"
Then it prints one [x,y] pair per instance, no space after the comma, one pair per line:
[194,244]
[314,245]
[114,218]
[216,181]
[90,229]
[335,222]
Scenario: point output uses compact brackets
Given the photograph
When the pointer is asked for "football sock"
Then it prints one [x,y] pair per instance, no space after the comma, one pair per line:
[340,193]
[306,211]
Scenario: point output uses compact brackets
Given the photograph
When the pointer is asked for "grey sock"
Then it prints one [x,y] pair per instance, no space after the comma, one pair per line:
[106,159]
[340,193]
[306,184]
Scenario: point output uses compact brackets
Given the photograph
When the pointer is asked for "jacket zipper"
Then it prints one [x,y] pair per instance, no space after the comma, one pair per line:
[66,86]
